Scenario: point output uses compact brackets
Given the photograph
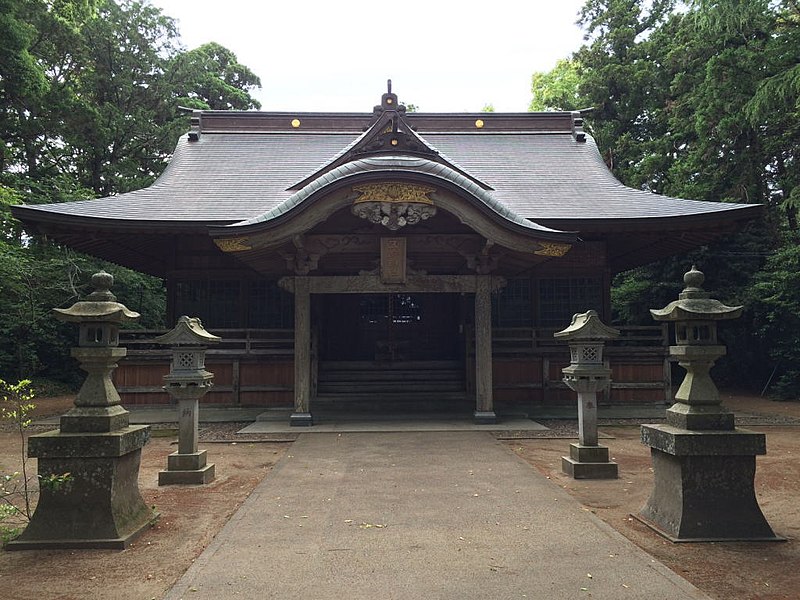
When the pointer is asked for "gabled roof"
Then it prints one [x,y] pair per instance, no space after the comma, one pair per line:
[244,164]
[389,134]
[534,173]
[391,165]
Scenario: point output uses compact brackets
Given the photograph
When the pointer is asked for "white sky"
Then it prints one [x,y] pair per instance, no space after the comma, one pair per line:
[442,55]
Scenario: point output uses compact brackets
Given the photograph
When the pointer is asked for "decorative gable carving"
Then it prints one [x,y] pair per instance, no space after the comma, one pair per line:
[389,133]
[393,204]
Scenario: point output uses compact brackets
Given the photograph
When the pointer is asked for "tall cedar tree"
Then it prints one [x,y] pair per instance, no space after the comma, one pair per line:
[702,103]
[90,92]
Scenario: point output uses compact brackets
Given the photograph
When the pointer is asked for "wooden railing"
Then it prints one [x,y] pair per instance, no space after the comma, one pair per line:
[234,342]
[643,350]
[535,341]
[525,358]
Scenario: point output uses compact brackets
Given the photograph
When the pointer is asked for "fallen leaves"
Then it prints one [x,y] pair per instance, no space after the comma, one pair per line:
[371,525]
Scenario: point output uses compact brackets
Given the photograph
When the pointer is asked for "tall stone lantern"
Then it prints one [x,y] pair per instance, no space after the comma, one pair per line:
[99,506]
[187,382]
[587,375]
[704,468]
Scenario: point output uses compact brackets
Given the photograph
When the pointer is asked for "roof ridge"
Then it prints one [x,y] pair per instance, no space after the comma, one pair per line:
[389,133]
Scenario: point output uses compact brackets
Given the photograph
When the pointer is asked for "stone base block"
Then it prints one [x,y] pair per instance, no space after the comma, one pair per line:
[94,419]
[588,454]
[187,469]
[187,462]
[484,417]
[700,417]
[99,506]
[589,462]
[119,543]
[200,476]
[301,419]
[704,485]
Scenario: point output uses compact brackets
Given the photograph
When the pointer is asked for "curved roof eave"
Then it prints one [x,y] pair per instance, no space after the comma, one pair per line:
[397,165]
[725,213]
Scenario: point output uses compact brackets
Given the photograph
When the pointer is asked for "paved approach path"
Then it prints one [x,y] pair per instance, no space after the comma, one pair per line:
[422,516]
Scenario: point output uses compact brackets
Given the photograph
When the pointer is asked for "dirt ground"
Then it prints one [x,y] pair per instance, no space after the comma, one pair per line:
[730,571]
[192,515]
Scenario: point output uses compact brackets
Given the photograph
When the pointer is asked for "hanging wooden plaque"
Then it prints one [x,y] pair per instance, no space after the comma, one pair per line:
[393,260]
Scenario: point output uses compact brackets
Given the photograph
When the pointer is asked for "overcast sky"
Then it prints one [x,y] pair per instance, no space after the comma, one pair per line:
[442,55]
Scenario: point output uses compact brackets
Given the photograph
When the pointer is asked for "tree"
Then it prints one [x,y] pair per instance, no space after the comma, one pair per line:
[210,77]
[557,89]
[701,103]
[90,92]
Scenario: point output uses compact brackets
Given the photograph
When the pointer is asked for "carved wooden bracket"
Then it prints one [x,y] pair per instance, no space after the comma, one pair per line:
[301,262]
[482,264]
[393,204]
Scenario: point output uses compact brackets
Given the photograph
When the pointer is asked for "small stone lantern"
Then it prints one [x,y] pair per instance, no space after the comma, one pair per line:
[187,382]
[704,468]
[587,375]
[100,506]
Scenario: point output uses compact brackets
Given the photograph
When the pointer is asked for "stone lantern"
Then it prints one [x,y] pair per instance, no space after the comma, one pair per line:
[99,506]
[187,382]
[704,468]
[587,375]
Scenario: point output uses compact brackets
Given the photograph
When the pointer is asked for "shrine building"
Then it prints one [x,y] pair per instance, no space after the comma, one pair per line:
[388,261]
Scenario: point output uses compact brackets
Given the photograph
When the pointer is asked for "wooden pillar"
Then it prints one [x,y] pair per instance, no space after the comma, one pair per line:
[302,353]
[484,404]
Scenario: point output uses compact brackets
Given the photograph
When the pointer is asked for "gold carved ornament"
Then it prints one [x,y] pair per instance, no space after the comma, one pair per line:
[393,192]
[237,244]
[393,204]
[552,249]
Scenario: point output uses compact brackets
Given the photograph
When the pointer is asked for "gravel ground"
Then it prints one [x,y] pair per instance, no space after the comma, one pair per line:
[557,428]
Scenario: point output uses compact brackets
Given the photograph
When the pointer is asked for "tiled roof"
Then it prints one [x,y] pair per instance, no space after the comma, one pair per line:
[534,164]
[391,165]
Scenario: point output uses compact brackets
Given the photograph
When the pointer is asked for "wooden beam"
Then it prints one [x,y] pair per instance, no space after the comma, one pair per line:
[371,284]
[484,404]
[302,353]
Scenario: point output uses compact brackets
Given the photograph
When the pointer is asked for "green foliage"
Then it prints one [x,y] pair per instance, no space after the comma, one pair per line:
[210,77]
[89,106]
[56,483]
[16,404]
[556,89]
[16,489]
[775,302]
[95,95]
[701,100]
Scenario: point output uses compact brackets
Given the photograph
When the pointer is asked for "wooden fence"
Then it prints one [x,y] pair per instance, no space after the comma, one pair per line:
[527,365]
[256,367]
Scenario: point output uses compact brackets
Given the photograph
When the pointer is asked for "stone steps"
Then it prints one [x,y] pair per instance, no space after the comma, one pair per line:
[400,385]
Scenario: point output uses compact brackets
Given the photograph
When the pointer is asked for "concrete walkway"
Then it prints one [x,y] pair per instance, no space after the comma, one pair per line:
[418,516]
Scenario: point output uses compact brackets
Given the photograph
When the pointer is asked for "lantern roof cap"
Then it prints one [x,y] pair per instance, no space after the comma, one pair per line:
[587,326]
[187,331]
[694,303]
[100,305]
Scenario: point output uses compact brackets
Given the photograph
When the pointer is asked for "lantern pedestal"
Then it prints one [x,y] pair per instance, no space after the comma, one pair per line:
[187,468]
[589,462]
[588,459]
[98,505]
[188,465]
[703,489]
